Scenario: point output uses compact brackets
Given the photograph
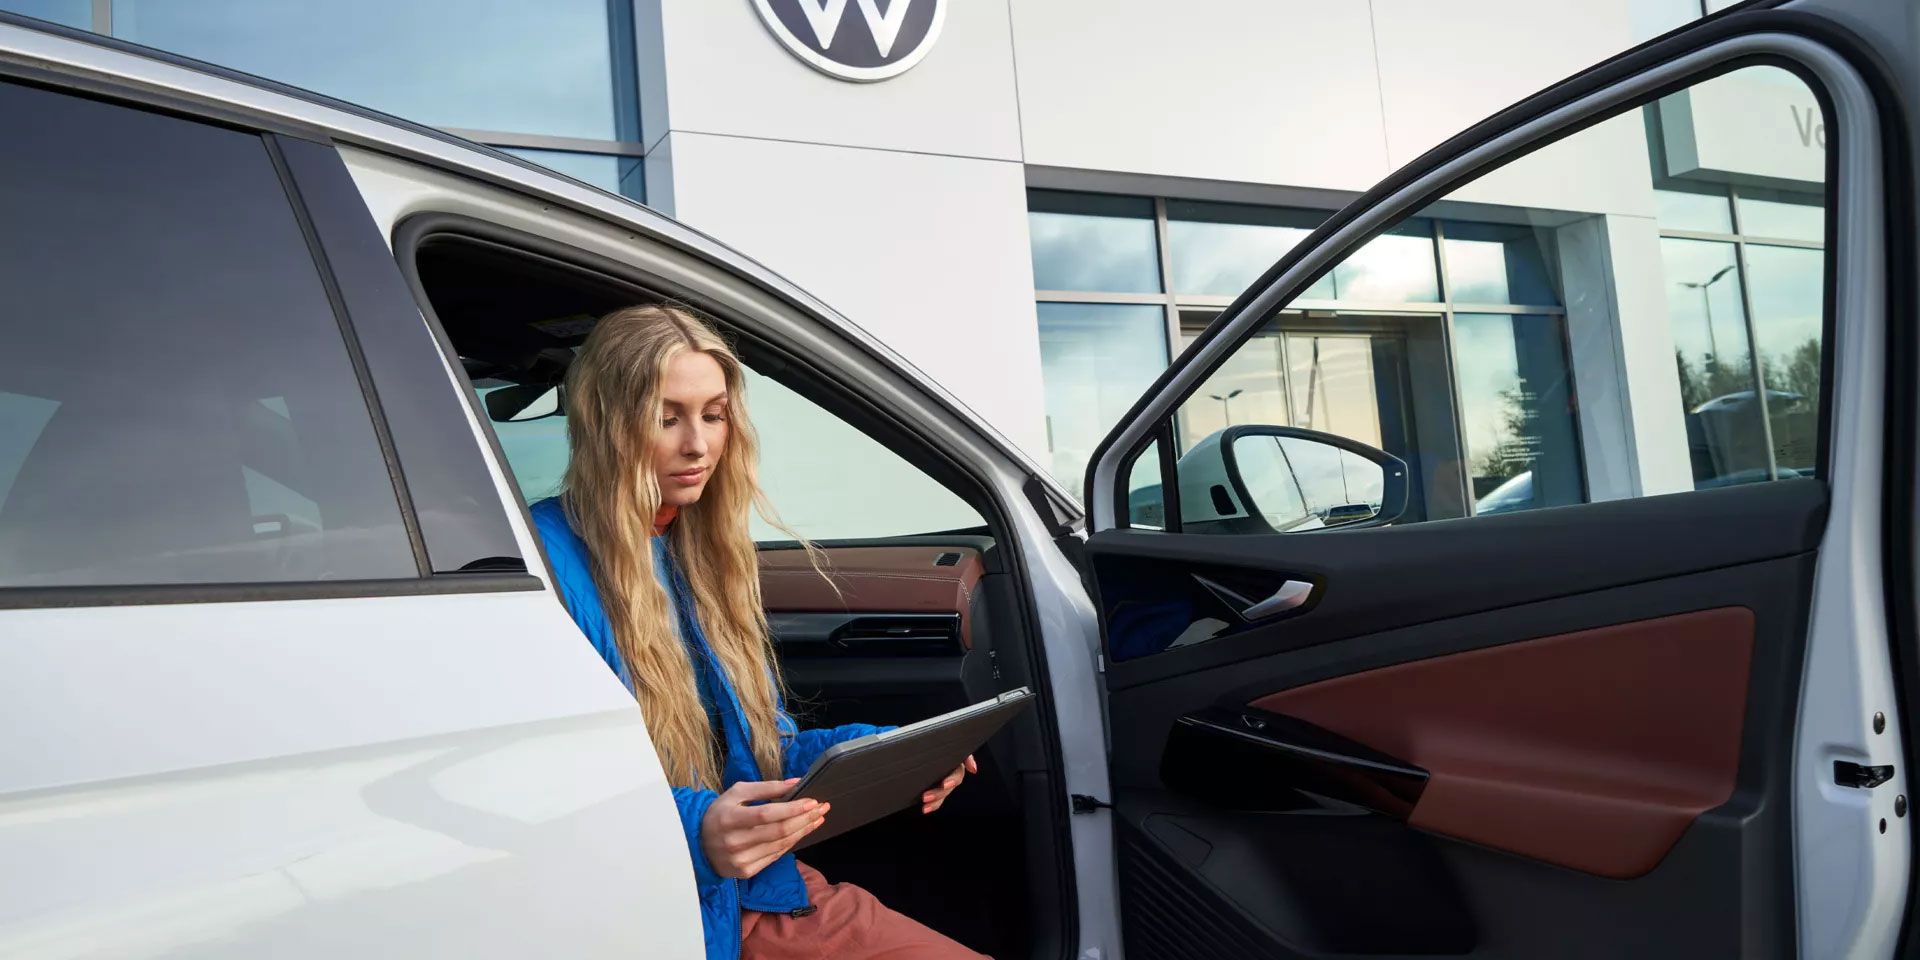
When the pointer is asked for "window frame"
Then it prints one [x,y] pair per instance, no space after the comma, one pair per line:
[765,356]
[1522,129]
[138,594]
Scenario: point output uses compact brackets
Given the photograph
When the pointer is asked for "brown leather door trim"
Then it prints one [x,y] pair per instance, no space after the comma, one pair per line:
[873,580]
[1593,750]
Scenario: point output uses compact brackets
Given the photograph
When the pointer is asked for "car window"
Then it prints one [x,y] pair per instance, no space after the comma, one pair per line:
[1637,309]
[177,404]
[826,479]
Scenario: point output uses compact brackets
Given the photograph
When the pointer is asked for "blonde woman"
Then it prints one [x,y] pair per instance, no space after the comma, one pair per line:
[650,546]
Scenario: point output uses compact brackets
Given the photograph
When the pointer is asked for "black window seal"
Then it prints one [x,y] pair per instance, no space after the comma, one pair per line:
[170,594]
[355,354]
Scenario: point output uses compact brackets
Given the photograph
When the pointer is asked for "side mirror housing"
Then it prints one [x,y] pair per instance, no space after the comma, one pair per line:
[1255,478]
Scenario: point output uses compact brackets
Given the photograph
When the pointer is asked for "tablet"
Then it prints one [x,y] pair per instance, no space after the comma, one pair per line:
[882,773]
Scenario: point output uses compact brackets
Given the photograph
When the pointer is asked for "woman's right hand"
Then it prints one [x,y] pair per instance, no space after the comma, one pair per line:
[740,840]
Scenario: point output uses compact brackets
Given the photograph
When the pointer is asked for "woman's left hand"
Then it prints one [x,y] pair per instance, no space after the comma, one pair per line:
[933,798]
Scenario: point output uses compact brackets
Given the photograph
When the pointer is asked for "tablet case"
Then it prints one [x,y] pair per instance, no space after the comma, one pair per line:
[883,773]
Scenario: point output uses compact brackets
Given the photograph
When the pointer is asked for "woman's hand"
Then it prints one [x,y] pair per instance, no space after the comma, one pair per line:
[740,840]
[933,798]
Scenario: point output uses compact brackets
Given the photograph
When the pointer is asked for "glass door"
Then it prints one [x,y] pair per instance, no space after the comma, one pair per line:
[1346,377]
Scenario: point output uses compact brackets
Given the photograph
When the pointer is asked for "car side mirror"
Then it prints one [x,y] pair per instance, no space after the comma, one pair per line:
[519,402]
[1256,478]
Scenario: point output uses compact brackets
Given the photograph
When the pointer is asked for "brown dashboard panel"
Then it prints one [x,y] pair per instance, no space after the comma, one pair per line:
[882,579]
[1592,750]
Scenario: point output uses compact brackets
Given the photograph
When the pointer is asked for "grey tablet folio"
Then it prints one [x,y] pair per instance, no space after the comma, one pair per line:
[883,773]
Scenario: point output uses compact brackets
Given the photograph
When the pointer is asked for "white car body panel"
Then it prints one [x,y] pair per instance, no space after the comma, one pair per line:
[405,776]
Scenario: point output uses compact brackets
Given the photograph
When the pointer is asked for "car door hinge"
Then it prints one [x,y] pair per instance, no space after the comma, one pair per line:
[1085,804]
[1849,774]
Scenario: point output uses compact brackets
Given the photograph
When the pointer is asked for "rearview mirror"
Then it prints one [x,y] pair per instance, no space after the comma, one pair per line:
[1266,479]
[517,402]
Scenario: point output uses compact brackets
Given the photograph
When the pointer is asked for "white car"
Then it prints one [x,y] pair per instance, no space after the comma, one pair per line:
[283,673]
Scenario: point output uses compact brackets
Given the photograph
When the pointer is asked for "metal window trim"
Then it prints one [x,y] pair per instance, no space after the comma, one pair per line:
[1761,240]
[1449,352]
[356,354]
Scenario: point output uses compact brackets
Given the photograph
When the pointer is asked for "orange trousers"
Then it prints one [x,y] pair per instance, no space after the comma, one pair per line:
[847,923]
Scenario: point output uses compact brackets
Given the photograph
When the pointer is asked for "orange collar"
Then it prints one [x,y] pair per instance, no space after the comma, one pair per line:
[662,517]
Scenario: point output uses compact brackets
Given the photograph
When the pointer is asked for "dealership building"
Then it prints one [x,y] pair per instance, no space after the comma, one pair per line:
[1039,202]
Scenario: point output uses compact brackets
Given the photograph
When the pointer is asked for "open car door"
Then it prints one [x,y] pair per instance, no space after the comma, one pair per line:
[1521,566]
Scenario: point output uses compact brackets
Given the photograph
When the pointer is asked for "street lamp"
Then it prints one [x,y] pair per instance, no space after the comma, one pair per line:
[1713,341]
[1225,412]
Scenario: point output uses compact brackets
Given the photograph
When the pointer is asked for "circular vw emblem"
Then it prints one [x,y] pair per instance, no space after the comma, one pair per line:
[862,40]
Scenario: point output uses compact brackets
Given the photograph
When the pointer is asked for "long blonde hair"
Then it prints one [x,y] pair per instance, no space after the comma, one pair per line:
[611,496]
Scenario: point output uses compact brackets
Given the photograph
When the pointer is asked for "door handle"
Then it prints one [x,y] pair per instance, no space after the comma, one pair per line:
[1291,595]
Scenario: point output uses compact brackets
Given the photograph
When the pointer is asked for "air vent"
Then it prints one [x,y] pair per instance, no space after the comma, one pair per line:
[947,560]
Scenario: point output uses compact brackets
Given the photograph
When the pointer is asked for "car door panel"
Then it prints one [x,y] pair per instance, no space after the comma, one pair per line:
[1437,570]
[1306,881]
[1631,730]
[1561,732]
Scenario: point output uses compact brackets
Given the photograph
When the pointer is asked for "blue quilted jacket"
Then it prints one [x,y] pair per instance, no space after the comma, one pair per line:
[775,889]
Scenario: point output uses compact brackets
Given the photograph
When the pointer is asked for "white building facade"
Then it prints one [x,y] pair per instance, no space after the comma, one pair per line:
[1059,193]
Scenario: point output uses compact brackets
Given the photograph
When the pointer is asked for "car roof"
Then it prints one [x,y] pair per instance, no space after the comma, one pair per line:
[39,50]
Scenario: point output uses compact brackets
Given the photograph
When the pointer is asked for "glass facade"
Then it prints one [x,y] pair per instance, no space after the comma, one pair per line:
[1353,355]
[555,81]
[1093,242]
[1745,274]
[1098,359]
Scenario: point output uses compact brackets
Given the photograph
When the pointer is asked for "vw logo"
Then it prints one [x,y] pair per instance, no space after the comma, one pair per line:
[859,40]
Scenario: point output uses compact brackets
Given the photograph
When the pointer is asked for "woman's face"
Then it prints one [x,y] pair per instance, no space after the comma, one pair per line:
[693,427]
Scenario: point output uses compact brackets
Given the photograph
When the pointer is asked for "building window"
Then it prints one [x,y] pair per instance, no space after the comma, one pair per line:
[1744,271]
[1460,314]
[555,82]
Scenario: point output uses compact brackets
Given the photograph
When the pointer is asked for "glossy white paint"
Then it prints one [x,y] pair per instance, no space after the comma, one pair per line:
[405,776]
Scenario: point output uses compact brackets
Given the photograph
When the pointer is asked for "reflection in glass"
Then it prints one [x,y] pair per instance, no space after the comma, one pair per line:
[1297,484]
[67,13]
[544,68]
[1785,284]
[1146,499]
[1333,385]
[1337,486]
[1095,360]
[1220,249]
[1724,434]
[1397,267]
[1787,220]
[1250,387]
[1705,211]
[22,417]
[1273,490]
[1501,263]
[1092,242]
[1516,411]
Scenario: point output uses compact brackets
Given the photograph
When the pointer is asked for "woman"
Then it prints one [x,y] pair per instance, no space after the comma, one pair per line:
[650,546]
